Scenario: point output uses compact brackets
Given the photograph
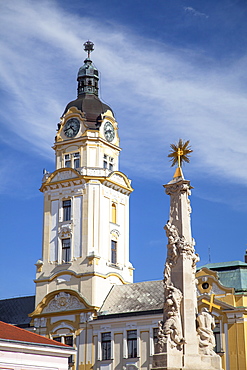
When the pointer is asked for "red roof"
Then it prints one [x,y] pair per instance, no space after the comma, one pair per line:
[10,332]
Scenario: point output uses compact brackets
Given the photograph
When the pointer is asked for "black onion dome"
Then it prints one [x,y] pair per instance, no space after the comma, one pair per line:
[87,100]
[92,107]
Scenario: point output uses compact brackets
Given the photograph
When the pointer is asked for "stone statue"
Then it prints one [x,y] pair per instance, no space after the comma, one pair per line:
[162,340]
[173,239]
[172,327]
[206,324]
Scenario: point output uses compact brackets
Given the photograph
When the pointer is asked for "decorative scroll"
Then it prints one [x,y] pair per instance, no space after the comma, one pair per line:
[205,329]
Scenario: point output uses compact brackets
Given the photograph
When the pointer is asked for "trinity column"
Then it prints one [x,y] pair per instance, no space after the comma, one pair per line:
[185,338]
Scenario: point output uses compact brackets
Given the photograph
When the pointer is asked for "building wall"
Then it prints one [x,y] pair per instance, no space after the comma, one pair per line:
[17,356]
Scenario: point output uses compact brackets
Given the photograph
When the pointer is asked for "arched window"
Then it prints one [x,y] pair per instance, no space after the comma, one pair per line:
[114,213]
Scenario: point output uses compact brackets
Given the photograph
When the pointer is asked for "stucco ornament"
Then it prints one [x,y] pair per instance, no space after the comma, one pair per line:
[206,324]
[63,302]
[65,231]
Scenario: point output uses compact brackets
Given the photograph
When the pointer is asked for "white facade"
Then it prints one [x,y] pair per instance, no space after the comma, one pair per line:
[16,355]
[86,215]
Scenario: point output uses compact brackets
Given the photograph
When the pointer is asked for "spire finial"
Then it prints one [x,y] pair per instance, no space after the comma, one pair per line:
[88,47]
[180,152]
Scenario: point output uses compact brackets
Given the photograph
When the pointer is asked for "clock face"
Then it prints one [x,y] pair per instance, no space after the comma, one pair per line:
[109,131]
[71,127]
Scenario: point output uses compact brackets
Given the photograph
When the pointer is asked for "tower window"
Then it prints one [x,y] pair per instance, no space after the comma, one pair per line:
[67,161]
[66,210]
[106,346]
[132,343]
[76,160]
[114,252]
[72,160]
[108,162]
[113,213]
[66,250]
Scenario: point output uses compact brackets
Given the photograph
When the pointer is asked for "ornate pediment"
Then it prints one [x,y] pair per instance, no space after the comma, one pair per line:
[63,302]
[118,179]
[64,175]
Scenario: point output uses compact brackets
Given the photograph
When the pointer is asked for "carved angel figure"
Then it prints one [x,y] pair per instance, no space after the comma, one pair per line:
[172,320]
[205,328]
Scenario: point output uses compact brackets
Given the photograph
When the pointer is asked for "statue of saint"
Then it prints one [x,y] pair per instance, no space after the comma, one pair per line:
[206,325]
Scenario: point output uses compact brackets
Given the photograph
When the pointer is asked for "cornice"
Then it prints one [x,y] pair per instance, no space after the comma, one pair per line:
[85,274]
[108,181]
[83,139]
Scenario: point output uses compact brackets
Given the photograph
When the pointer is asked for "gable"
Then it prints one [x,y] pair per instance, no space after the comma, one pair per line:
[64,174]
[120,179]
[63,302]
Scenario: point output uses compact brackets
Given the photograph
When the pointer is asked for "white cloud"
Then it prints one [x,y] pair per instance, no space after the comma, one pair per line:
[158,93]
[194,12]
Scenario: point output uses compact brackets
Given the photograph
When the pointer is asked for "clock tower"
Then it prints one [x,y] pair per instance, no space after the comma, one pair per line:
[86,207]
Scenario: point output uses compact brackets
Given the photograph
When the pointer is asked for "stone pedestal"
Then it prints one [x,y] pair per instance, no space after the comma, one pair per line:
[163,362]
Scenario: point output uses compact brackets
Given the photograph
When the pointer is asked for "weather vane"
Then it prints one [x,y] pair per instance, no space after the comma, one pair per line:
[180,153]
[88,47]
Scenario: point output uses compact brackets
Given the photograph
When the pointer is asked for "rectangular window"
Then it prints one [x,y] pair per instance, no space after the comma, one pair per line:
[106,346]
[58,339]
[66,210]
[132,343]
[76,160]
[67,161]
[65,250]
[68,340]
[72,160]
[114,252]
[111,164]
[108,162]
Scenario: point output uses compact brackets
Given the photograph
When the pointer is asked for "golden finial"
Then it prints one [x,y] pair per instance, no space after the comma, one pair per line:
[180,154]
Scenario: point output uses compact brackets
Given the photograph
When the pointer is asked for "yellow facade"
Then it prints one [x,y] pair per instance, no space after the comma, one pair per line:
[230,312]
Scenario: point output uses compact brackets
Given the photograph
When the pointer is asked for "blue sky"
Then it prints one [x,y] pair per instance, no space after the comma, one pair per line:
[169,69]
